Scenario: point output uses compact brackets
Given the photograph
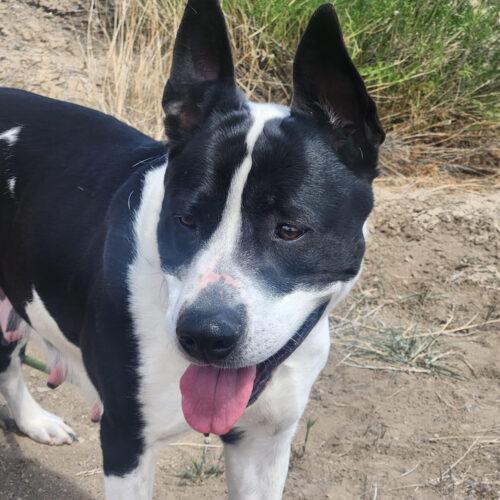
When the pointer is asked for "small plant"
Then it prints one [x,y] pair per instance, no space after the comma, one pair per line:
[300,453]
[397,348]
[200,469]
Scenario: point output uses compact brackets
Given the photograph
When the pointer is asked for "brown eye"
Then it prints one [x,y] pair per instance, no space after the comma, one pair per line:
[289,233]
[186,221]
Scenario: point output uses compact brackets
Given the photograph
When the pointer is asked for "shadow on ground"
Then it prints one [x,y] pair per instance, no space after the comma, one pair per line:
[26,478]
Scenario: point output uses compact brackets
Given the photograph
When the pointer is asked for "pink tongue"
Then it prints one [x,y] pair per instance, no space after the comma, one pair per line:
[213,399]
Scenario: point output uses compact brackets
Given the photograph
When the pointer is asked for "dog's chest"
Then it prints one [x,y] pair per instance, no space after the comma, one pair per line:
[160,365]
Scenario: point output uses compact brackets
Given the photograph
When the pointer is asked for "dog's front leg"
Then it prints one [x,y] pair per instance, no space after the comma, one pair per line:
[128,467]
[257,451]
[257,463]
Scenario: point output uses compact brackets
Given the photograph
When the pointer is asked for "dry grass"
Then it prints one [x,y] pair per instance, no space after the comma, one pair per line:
[367,342]
[470,150]
[128,53]
[449,482]
[129,47]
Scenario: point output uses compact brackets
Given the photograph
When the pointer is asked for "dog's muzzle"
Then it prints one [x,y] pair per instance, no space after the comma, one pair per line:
[266,368]
[210,329]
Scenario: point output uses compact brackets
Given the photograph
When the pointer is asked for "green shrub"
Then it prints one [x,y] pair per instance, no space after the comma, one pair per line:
[432,66]
[416,56]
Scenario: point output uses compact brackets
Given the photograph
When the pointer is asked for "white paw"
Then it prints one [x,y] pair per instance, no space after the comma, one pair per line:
[46,428]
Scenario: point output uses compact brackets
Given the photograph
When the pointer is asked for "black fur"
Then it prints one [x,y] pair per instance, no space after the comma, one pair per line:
[327,87]
[234,436]
[197,182]
[13,322]
[72,241]
[297,178]
[6,351]
[202,75]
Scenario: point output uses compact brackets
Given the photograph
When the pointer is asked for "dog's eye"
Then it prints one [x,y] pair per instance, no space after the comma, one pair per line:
[288,232]
[187,221]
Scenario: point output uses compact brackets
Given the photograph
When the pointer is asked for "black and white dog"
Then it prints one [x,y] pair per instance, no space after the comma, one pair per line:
[187,283]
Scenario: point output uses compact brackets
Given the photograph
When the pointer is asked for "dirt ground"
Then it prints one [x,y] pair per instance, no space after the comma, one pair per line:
[409,403]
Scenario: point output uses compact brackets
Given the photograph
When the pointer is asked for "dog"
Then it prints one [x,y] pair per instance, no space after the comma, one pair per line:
[187,283]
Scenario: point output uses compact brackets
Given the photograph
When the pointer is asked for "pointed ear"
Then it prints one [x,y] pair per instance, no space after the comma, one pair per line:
[328,88]
[202,70]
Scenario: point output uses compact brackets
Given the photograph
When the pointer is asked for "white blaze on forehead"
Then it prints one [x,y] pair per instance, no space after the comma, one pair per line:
[10,136]
[226,235]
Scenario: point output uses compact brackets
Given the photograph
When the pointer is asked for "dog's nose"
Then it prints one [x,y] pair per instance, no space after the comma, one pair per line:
[210,336]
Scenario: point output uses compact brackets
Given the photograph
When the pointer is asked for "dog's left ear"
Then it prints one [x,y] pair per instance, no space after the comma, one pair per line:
[328,88]
[202,73]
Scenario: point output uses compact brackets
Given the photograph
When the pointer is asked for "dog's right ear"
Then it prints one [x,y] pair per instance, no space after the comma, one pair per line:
[202,73]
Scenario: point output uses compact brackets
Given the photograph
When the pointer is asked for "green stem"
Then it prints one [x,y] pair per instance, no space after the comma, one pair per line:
[36,364]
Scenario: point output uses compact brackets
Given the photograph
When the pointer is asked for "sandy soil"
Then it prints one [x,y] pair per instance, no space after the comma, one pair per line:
[408,406]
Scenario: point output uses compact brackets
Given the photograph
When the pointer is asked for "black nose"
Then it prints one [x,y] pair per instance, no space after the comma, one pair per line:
[210,335]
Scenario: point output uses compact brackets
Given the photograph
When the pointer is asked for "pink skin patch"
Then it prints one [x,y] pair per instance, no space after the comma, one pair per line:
[96,412]
[11,323]
[13,336]
[13,328]
[56,376]
[211,277]
[213,399]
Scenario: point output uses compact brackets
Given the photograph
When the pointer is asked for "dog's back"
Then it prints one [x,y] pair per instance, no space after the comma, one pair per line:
[60,166]
[44,140]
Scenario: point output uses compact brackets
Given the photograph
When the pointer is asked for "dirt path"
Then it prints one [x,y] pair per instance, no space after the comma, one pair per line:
[397,413]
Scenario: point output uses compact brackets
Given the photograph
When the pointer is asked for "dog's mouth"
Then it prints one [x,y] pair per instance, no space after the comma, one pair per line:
[213,398]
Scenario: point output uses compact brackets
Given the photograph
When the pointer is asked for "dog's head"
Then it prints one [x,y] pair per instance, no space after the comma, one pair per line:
[261,227]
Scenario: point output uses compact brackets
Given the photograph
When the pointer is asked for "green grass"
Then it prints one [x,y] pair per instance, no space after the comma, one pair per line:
[432,67]
[393,347]
[301,452]
[202,468]
[416,56]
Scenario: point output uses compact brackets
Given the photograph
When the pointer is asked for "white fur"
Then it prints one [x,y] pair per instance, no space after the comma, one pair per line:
[159,381]
[257,466]
[227,234]
[219,250]
[31,419]
[137,485]
[161,364]
[47,334]
[10,136]
[366,229]
[11,184]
